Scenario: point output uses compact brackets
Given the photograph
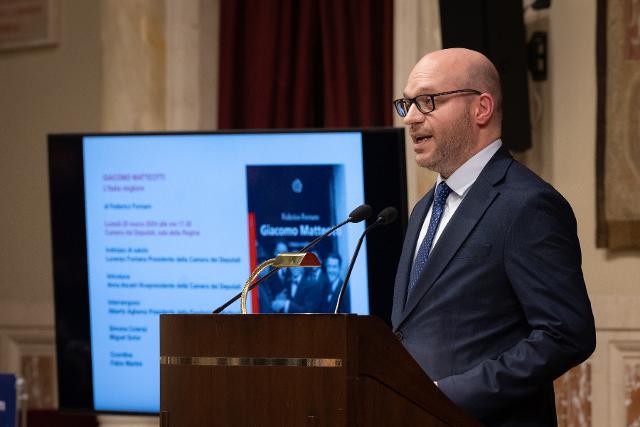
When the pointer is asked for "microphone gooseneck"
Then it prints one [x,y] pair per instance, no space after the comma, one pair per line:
[385,217]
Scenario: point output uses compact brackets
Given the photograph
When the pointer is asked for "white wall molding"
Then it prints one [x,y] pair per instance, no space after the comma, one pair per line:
[616,312]
[29,352]
[617,348]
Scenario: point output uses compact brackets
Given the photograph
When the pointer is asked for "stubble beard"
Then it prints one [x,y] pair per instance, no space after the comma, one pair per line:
[452,146]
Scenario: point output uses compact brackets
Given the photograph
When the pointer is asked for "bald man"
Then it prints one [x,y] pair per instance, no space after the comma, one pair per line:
[489,295]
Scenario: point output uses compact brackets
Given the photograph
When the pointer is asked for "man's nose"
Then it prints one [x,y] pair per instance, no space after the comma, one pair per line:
[413,115]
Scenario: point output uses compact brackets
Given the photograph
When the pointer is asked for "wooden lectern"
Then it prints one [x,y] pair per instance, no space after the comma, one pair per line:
[293,370]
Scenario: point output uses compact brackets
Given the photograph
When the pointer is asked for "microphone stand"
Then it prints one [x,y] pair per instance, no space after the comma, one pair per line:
[386,216]
[352,263]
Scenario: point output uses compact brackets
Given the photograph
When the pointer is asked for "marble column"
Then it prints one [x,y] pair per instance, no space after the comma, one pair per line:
[159,72]
[134,65]
[192,64]
[160,65]
[416,31]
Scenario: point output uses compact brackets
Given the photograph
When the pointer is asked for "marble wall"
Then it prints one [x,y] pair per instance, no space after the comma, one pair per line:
[573,397]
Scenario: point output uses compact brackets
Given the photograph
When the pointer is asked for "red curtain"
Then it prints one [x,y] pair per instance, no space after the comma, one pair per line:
[305,63]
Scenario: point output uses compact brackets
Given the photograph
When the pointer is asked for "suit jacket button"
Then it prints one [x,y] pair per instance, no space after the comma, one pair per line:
[399,335]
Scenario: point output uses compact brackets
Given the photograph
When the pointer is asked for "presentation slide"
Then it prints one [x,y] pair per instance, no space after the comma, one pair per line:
[175,224]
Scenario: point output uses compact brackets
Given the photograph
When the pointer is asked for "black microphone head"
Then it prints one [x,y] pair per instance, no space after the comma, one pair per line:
[387,215]
[360,213]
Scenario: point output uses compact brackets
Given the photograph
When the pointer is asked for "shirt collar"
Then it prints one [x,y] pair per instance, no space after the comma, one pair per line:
[461,180]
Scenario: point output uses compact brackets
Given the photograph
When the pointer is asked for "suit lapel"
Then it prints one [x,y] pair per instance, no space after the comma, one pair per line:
[406,260]
[472,208]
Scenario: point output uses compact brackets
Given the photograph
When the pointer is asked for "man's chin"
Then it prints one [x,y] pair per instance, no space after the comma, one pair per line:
[425,162]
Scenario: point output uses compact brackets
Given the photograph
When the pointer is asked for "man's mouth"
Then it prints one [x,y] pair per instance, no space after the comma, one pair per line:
[422,138]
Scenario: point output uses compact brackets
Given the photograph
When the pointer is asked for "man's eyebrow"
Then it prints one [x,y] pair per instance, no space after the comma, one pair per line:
[427,90]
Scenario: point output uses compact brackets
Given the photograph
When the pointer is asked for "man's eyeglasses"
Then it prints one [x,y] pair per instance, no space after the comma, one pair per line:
[425,103]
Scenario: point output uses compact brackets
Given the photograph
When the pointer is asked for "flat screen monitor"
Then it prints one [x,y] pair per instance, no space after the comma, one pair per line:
[155,223]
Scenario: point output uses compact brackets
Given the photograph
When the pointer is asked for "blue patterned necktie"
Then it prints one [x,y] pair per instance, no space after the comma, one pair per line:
[439,200]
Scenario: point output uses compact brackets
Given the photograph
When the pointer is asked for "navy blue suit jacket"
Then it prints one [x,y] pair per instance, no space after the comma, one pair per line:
[501,308]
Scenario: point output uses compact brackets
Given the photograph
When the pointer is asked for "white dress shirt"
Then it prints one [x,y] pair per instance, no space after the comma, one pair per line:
[460,182]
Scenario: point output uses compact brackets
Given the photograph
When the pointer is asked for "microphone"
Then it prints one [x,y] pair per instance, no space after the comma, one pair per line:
[359,214]
[385,217]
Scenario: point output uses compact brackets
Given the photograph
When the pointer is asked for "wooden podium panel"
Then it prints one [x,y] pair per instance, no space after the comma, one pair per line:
[293,370]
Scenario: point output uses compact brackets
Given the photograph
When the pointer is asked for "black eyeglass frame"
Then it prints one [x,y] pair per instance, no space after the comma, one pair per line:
[432,96]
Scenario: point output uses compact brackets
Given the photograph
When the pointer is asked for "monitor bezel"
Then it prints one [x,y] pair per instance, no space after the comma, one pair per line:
[384,185]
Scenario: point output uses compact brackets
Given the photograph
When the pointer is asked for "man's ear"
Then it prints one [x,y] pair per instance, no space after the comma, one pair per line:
[484,109]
